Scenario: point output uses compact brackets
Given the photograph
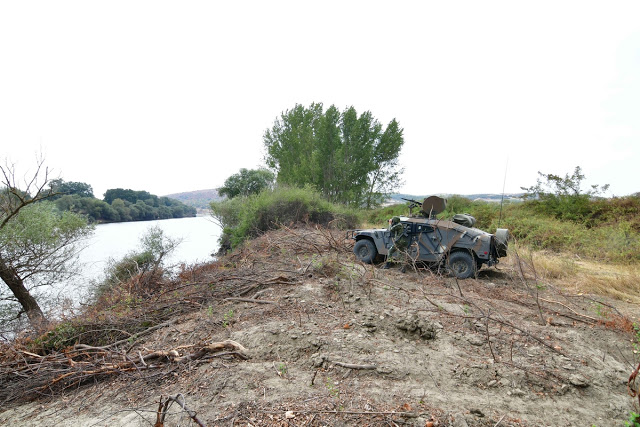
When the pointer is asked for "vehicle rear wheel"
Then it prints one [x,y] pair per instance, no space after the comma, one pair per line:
[462,265]
[365,251]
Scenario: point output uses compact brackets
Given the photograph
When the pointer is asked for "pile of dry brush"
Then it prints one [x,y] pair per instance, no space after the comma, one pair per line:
[103,341]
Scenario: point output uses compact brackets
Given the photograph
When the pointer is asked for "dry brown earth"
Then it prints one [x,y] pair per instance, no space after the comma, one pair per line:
[332,342]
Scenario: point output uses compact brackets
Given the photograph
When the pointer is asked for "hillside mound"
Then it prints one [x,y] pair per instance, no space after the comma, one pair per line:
[291,331]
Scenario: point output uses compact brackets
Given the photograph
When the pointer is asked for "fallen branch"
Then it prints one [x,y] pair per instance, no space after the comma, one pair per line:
[631,384]
[164,407]
[60,371]
[257,301]
[401,414]
[128,340]
[353,366]
[236,350]
[570,309]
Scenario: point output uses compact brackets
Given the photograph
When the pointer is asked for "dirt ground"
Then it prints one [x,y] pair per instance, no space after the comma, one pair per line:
[326,341]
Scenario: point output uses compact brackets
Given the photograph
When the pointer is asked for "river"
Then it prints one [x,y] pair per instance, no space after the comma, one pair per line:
[199,237]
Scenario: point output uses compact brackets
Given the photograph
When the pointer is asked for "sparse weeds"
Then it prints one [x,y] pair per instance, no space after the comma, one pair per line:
[227,318]
[317,262]
[348,273]
[634,420]
[325,266]
[598,308]
[282,369]
[332,388]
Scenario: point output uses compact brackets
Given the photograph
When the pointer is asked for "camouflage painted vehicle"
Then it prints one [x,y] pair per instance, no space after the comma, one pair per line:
[454,245]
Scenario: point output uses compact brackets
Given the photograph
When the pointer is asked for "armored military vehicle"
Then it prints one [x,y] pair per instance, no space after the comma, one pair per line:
[454,245]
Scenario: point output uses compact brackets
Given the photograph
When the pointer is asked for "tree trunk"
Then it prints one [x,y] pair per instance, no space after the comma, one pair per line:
[26,300]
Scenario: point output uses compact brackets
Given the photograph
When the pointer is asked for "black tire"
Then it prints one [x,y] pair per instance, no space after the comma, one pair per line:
[462,265]
[365,251]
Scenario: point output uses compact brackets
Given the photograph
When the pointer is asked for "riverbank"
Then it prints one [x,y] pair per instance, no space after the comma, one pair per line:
[291,331]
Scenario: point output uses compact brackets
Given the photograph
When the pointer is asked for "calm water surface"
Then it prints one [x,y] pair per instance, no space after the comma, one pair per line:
[199,240]
[199,237]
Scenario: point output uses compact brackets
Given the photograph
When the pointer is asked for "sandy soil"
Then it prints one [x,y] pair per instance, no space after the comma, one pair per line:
[337,343]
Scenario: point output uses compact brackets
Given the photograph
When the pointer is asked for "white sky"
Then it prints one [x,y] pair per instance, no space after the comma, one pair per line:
[175,96]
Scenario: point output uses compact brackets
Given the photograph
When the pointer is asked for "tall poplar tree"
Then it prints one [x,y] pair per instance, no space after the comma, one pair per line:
[350,158]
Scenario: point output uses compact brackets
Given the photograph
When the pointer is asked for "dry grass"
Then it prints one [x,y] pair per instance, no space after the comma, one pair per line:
[579,276]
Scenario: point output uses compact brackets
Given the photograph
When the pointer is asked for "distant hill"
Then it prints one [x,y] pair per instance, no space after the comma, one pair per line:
[198,199]
[487,197]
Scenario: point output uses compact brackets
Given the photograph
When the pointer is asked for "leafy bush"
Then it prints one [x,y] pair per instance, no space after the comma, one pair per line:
[118,271]
[62,335]
[245,217]
[634,420]
[378,217]
[615,210]
[154,248]
[457,205]
[563,198]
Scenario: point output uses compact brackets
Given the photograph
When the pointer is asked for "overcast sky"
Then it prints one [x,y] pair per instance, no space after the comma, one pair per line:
[175,96]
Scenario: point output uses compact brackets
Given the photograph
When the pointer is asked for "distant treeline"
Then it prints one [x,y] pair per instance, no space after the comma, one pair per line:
[118,205]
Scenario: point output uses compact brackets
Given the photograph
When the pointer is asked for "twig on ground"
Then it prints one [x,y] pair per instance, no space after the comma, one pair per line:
[500,420]
[255,301]
[352,365]
[129,340]
[163,407]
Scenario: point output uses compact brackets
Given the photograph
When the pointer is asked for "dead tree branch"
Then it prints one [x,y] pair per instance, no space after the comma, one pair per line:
[163,407]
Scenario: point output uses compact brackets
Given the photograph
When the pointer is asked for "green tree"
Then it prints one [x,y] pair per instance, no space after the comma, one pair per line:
[246,182]
[348,157]
[61,187]
[131,205]
[128,195]
[146,212]
[164,212]
[123,210]
[563,197]
[38,243]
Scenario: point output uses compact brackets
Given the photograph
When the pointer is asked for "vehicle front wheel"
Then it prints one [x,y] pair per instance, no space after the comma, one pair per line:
[365,251]
[462,265]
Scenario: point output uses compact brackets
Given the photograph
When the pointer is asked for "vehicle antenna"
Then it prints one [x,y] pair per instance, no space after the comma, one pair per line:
[504,182]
